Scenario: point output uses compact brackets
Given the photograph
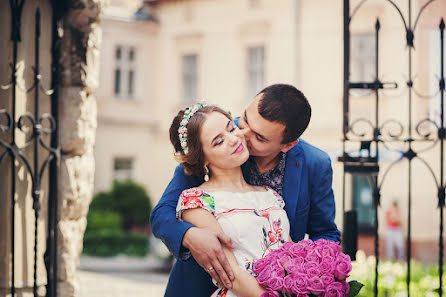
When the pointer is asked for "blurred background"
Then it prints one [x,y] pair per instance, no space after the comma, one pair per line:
[128,66]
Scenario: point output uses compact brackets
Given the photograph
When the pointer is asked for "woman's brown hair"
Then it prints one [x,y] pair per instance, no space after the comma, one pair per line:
[193,161]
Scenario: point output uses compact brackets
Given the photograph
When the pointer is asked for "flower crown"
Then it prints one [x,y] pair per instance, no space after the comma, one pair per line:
[182,130]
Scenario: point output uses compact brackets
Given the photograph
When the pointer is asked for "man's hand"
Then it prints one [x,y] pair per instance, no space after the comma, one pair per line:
[205,247]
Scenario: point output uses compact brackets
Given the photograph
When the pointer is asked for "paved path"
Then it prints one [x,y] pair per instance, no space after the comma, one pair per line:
[121,277]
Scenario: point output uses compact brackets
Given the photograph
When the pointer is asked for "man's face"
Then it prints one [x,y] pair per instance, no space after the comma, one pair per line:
[263,137]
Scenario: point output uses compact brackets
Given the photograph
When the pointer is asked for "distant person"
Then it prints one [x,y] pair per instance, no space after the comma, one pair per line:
[394,234]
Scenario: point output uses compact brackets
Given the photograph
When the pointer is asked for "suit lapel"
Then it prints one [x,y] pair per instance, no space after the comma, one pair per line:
[292,179]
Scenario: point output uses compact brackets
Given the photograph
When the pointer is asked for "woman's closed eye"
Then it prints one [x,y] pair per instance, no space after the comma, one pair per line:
[218,141]
[231,128]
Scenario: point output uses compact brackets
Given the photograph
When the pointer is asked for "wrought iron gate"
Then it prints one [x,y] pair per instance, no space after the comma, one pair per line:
[378,139]
[35,127]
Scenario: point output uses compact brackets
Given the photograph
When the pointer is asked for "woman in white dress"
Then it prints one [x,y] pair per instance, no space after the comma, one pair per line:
[210,145]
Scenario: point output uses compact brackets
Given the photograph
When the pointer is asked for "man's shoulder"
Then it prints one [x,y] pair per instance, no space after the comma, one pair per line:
[311,152]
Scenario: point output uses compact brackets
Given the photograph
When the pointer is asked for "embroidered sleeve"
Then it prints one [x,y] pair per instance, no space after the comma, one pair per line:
[194,198]
[279,199]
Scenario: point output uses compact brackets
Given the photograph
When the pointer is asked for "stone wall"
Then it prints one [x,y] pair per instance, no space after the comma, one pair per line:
[79,78]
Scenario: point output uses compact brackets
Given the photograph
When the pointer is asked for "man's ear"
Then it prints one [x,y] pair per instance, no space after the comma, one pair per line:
[286,147]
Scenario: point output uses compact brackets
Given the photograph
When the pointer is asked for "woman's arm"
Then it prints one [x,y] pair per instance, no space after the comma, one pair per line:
[244,284]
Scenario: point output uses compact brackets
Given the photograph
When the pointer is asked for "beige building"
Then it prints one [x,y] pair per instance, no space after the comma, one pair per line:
[169,53]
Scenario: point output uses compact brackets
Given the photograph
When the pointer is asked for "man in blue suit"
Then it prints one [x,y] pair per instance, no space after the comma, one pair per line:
[298,171]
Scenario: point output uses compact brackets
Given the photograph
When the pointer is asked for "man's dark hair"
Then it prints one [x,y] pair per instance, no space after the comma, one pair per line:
[287,105]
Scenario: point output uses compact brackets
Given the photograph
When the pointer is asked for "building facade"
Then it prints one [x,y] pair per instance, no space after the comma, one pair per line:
[227,51]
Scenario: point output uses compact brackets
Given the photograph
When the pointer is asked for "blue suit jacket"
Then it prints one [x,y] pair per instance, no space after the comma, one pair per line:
[309,203]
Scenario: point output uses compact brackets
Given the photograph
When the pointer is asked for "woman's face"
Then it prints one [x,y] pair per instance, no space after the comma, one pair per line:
[224,145]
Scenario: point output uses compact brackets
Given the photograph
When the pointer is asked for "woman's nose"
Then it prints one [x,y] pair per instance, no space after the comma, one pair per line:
[245,131]
[234,139]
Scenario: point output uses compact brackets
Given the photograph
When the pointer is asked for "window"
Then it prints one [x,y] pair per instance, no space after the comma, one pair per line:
[363,203]
[189,64]
[125,69]
[363,54]
[256,72]
[123,168]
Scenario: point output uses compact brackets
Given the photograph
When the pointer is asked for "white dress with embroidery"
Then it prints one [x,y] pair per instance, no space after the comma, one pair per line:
[255,221]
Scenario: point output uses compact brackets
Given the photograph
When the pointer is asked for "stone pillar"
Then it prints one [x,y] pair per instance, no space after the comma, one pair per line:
[79,77]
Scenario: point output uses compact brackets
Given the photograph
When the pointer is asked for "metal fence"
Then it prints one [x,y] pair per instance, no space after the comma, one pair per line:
[36,127]
[378,136]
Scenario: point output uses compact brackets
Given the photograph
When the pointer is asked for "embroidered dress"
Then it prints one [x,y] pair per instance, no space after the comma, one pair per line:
[255,221]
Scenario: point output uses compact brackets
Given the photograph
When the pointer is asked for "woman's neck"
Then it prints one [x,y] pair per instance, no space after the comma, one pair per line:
[231,179]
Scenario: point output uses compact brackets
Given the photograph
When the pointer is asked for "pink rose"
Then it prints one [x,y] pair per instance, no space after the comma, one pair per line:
[274,254]
[278,272]
[335,247]
[307,265]
[316,286]
[260,264]
[300,284]
[326,267]
[314,256]
[325,250]
[334,289]
[297,250]
[328,259]
[270,293]
[343,267]
[327,279]
[298,261]
[287,245]
[345,287]
[284,261]
[313,272]
[294,269]
[307,244]
[288,283]
[275,283]
[321,242]
[264,275]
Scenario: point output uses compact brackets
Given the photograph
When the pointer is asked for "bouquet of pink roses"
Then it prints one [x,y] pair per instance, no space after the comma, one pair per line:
[306,268]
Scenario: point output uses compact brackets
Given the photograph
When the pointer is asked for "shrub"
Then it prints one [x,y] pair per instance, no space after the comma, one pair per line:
[111,215]
[126,198]
[103,220]
[392,277]
[112,243]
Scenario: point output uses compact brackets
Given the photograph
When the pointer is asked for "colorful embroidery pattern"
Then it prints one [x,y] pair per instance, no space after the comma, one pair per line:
[259,212]
[272,235]
[195,198]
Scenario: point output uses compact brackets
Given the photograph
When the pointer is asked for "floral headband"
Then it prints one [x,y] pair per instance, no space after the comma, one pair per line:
[182,130]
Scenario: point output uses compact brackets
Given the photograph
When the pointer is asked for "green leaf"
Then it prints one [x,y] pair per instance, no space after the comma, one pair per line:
[355,287]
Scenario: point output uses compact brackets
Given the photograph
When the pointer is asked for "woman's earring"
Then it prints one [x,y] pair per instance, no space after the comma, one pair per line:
[206,173]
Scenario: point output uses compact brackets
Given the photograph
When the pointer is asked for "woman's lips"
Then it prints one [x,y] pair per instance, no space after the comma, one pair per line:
[239,149]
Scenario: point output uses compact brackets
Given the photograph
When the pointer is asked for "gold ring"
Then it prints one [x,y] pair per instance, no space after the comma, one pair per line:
[210,268]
